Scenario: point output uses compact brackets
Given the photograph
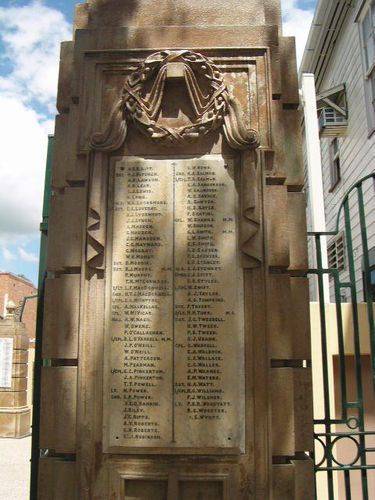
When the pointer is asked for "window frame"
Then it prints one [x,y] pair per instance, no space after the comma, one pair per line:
[334,163]
[371,291]
[367,11]
[335,243]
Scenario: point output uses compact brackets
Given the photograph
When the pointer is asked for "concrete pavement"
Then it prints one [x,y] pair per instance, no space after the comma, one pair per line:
[15,468]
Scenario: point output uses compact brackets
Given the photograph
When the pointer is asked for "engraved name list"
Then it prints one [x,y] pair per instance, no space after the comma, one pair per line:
[175,348]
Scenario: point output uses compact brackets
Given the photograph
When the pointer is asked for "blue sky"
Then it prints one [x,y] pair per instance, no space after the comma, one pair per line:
[30,35]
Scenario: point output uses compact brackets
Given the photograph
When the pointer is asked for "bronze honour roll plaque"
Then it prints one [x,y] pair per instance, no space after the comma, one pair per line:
[174,360]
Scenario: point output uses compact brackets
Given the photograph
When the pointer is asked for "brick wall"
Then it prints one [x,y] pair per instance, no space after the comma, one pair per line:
[15,288]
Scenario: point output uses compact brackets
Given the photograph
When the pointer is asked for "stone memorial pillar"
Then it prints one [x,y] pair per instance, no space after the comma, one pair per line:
[176,308]
[14,345]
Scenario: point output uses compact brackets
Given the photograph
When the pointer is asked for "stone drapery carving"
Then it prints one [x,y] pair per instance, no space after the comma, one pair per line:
[251,243]
[96,230]
[213,105]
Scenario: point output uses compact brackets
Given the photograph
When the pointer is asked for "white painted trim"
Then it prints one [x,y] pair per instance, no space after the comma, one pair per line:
[366,71]
[320,42]
[361,9]
[314,168]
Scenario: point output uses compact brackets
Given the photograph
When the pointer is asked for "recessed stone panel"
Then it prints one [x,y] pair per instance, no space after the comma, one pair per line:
[195,490]
[57,480]
[174,346]
[141,489]
[6,360]
[58,408]
[61,312]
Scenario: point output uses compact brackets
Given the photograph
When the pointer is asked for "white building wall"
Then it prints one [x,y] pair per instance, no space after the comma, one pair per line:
[310,245]
[357,150]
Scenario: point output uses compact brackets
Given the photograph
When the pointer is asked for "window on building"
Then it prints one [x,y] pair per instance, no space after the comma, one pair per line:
[335,172]
[336,253]
[333,111]
[367,28]
[369,284]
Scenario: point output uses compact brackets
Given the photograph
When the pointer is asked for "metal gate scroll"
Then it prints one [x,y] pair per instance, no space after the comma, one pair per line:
[344,368]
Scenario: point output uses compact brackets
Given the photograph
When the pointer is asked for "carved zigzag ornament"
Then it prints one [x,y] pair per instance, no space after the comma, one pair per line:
[213,104]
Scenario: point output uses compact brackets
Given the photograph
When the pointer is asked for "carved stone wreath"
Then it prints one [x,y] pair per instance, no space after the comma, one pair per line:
[214,107]
[213,104]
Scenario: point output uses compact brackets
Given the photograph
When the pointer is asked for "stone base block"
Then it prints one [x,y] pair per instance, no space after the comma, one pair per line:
[14,422]
[13,399]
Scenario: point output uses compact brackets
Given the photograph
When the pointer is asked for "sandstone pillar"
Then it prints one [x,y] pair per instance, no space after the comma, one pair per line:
[176,307]
[14,345]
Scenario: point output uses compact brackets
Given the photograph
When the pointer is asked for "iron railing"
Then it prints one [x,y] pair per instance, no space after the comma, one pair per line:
[341,375]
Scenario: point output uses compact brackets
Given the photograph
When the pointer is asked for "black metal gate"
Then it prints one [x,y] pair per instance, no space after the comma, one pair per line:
[343,339]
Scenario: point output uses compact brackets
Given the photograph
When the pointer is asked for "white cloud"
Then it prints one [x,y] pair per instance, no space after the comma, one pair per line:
[7,254]
[31,37]
[27,256]
[22,164]
[296,22]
